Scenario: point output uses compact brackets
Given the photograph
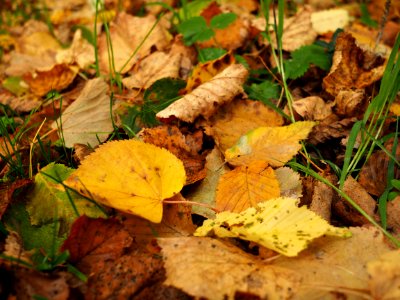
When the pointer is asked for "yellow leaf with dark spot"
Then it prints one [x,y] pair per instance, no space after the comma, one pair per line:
[130,176]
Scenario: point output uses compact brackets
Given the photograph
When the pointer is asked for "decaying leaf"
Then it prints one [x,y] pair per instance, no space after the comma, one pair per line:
[152,68]
[131,176]
[205,192]
[352,67]
[313,108]
[350,103]
[205,99]
[87,120]
[221,271]
[127,33]
[237,118]
[277,224]
[385,276]
[289,182]
[332,266]
[275,145]
[20,104]
[246,186]
[172,139]
[393,212]
[325,21]
[322,197]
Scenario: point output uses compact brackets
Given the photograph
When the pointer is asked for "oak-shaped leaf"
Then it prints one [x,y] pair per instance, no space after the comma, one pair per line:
[277,224]
[130,176]
[275,145]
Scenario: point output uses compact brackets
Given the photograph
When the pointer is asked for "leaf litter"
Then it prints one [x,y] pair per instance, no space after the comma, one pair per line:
[155,156]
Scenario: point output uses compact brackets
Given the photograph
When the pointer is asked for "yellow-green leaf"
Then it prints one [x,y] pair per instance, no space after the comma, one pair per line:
[277,224]
[275,145]
[130,176]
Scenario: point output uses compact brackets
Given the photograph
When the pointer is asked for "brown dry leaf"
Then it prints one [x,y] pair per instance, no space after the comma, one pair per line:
[152,68]
[14,248]
[289,182]
[7,190]
[313,108]
[239,117]
[203,72]
[349,103]
[331,128]
[323,196]
[176,222]
[334,268]
[21,64]
[87,120]
[21,104]
[373,174]
[221,271]
[325,21]
[384,275]
[127,33]
[298,30]
[376,9]
[58,78]
[206,99]
[172,139]
[393,213]
[92,242]
[366,37]
[81,151]
[360,196]
[246,186]
[352,67]
[275,145]
[205,192]
[80,52]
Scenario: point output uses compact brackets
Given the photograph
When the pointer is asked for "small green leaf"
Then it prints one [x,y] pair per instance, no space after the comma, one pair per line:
[208,54]
[87,34]
[202,36]
[263,91]
[193,8]
[366,17]
[303,57]
[192,27]
[395,183]
[240,59]
[223,20]
[15,85]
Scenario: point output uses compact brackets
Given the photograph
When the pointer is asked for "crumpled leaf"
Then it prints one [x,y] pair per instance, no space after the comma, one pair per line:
[152,68]
[289,182]
[237,118]
[246,186]
[130,176]
[221,271]
[313,108]
[277,224]
[275,145]
[205,99]
[49,200]
[352,67]
[87,120]
[385,276]
[350,103]
[127,33]
[325,21]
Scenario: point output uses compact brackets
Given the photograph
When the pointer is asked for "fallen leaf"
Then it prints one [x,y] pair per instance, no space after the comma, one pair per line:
[325,21]
[276,224]
[57,78]
[171,138]
[7,190]
[237,118]
[91,242]
[14,248]
[313,108]
[393,211]
[352,67]
[130,176]
[20,104]
[290,183]
[246,186]
[221,271]
[275,145]
[87,120]
[332,268]
[49,201]
[349,103]
[206,99]
[331,128]
[127,33]
[323,196]
[205,192]
[152,68]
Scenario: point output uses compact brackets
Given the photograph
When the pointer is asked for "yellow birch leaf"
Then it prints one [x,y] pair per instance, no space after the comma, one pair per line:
[329,20]
[130,176]
[246,186]
[275,145]
[277,224]
[208,97]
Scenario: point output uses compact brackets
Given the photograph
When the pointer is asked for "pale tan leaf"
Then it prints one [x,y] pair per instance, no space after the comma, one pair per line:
[206,99]
[325,21]
[246,186]
[87,120]
[289,182]
[220,271]
[239,117]
[275,145]
[313,108]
